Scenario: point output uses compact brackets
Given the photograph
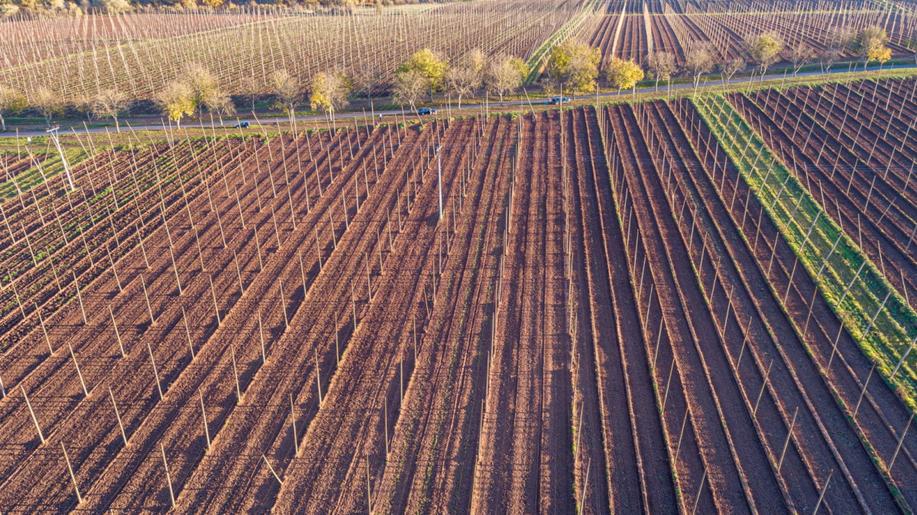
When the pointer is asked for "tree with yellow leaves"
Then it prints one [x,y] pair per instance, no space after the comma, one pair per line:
[872,44]
[177,101]
[765,49]
[574,66]
[329,92]
[624,74]
[428,65]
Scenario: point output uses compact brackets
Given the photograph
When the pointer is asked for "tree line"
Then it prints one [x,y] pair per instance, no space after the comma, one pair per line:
[572,67]
[79,7]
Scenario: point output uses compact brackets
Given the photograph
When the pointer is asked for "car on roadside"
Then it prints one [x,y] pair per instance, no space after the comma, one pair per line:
[240,125]
[426,111]
[558,100]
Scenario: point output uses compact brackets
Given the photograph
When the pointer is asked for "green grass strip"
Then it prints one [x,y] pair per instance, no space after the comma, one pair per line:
[878,318]
[42,168]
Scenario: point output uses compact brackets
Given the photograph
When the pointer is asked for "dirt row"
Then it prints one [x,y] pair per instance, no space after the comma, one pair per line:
[433,449]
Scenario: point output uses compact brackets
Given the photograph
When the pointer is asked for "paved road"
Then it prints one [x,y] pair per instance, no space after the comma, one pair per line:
[146,126]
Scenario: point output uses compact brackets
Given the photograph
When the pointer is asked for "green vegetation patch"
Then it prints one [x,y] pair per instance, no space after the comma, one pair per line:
[41,168]
[877,317]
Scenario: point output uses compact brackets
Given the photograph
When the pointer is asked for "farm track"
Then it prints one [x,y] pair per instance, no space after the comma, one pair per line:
[882,415]
[853,181]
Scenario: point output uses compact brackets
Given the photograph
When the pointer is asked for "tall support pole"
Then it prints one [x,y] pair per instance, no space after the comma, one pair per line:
[76,487]
[165,465]
[54,137]
[439,177]
[28,404]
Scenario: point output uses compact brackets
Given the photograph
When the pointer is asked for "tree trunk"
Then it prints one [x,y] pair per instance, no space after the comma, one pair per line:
[2,123]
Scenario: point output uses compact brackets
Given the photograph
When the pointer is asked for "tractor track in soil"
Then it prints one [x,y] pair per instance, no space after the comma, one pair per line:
[734,442]
[653,461]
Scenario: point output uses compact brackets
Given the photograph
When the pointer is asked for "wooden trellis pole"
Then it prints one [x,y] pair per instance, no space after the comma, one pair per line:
[271,469]
[155,370]
[204,419]
[165,465]
[114,405]
[28,404]
[235,375]
[78,372]
[76,487]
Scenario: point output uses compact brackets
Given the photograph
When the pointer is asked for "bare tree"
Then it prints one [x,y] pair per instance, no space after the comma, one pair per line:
[840,41]
[506,75]
[698,62]
[662,65]
[109,103]
[409,86]
[286,90]
[366,80]
[799,55]
[461,81]
[828,56]
[249,89]
[48,103]
[731,67]
[467,76]
[12,101]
